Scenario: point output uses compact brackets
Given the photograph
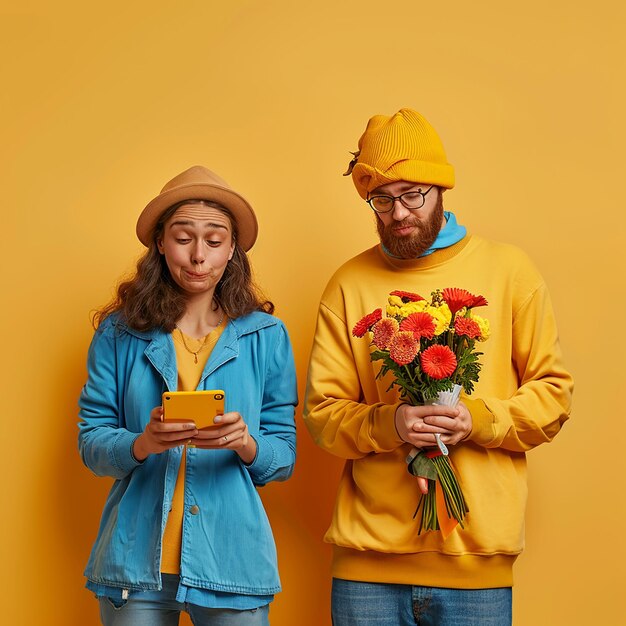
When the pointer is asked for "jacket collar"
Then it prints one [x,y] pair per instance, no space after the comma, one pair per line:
[161,353]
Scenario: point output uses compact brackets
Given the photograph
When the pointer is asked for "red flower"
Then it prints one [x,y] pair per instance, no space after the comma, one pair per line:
[383,331]
[404,348]
[466,326]
[420,324]
[407,296]
[456,299]
[438,361]
[364,324]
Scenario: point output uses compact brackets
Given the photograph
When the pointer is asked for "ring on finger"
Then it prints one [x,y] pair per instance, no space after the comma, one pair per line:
[225,439]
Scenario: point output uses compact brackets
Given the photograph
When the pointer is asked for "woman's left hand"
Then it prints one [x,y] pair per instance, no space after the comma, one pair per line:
[230,432]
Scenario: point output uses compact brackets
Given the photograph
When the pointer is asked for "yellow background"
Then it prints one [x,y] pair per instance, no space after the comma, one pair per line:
[101,104]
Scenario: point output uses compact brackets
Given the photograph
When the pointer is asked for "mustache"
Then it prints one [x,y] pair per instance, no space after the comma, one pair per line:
[407,221]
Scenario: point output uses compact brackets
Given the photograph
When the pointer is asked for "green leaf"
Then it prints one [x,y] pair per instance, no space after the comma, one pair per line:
[421,465]
[378,354]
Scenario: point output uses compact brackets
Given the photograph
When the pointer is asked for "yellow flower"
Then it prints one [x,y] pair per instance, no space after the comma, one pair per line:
[395,301]
[400,310]
[442,316]
[414,307]
[483,324]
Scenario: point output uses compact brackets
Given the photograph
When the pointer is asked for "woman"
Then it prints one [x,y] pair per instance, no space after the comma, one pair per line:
[183,527]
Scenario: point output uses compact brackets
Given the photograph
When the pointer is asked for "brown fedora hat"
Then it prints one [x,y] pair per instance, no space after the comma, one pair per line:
[199,183]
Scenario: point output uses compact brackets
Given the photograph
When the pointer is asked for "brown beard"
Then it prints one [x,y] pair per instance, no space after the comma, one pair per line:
[414,245]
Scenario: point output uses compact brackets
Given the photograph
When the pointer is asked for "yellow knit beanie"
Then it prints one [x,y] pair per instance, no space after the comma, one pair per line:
[402,147]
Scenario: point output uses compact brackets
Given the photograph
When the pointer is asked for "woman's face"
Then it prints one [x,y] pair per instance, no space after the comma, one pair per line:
[197,243]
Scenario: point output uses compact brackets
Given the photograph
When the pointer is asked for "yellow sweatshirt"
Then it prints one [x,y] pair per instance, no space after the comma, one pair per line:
[522,400]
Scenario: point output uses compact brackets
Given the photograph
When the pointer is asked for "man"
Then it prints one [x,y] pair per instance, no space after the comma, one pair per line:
[384,571]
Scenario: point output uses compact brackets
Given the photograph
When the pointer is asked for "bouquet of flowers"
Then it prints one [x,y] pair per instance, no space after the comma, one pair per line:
[430,348]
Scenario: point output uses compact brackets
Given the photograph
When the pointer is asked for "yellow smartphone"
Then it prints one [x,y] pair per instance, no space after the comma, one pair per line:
[200,407]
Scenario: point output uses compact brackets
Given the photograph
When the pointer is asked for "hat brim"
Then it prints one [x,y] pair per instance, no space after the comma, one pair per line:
[247,226]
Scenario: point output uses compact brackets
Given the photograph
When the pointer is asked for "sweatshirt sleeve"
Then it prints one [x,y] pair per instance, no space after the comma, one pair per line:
[339,385]
[535,413]
[105,447]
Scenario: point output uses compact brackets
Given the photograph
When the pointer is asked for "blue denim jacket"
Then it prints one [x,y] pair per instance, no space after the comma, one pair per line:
[227,542]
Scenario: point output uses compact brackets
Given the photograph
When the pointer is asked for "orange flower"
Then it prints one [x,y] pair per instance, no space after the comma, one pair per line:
[420,324]
[403,348]
[456,299]
[364,324]
[407,296]
[466,326]
[383,331]
[438,361]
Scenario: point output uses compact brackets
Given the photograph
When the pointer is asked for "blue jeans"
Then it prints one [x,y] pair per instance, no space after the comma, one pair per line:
[379,604]
[162,610]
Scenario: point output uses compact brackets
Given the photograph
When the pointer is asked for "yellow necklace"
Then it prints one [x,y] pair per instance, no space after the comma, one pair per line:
[204,343]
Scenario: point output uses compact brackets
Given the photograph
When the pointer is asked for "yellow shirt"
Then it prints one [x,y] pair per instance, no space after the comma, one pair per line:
[189,374]
[521,401]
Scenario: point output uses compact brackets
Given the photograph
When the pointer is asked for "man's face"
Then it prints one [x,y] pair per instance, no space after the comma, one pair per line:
[408,233]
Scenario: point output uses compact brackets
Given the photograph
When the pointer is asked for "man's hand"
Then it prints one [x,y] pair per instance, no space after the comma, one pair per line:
[417,425]
[458,427]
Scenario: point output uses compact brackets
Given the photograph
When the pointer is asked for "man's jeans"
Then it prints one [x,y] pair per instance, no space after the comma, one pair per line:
[379,604]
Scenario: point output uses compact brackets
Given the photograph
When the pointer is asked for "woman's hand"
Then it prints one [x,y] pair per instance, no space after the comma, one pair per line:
[159,436]
[230,432]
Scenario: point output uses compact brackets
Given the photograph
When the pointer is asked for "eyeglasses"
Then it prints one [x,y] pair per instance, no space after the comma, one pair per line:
[410,200]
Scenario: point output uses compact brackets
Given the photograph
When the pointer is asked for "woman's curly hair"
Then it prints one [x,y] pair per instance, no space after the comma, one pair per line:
[152,299]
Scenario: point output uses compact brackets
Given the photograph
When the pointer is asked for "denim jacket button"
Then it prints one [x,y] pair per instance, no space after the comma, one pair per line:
[195,509]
